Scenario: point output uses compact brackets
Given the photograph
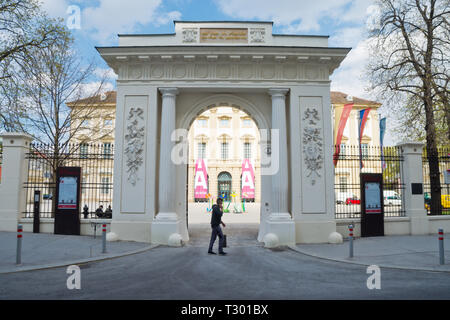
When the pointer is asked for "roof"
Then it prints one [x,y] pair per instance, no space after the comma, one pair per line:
[108,98]
[336,98]
[341,98]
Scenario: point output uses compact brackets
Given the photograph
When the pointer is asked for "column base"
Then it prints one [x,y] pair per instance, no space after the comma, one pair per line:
[314,231]
[166,229]
[139,231]
[283,227]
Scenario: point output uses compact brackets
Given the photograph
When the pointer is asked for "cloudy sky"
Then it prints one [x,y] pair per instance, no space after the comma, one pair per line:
[343,20]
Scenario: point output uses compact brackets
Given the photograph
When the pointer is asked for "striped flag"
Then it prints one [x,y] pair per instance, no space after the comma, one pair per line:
[382,131]
[344,116]
[363,114]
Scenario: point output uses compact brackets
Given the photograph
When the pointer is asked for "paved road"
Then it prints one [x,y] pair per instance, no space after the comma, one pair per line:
[248,272]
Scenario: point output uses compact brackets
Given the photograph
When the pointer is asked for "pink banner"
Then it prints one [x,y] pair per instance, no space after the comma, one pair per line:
[200,180]
[344,116]
[248,180]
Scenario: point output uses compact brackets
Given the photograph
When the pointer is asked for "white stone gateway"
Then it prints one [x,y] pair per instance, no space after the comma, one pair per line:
[281,81]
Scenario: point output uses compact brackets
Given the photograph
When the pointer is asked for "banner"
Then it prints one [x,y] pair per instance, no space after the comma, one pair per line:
[363,114]
[382,131]
[248,180]
[344,116]
[200,180]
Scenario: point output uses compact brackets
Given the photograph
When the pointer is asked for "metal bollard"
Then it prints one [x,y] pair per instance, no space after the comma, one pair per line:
[19,245]
[441,246]
[350,234]
[104,238]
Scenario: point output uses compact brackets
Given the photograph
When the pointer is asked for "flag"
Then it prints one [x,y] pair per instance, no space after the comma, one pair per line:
[382,131]
[344,116]
[363,114]
[200,180]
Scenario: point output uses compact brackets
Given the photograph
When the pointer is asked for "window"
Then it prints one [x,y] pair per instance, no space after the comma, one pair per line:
[342,150]
[105,185]
[202,123]
[107,150]
[224,123]
[343,184]
[224,150]
[84,150]
[108,122]
[247,123]
[364,150]
[201,150]
[247,150]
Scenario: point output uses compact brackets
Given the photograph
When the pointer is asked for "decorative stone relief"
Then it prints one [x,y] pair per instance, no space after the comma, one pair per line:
[190,35]
[134,143]
[257,35]
[312,143]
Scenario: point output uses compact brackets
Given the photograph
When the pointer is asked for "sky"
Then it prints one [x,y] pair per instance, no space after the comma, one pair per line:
[343,20]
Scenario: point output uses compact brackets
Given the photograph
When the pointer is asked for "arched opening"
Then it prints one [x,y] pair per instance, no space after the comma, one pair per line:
[223,141]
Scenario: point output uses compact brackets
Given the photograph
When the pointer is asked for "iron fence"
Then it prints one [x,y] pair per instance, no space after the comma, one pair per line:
[444,165]
[96,162]
[352,161]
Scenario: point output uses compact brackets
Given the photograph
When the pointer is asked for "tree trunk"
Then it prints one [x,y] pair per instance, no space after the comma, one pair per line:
[432,155]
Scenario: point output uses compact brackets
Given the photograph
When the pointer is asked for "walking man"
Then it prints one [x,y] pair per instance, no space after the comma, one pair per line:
[216,221]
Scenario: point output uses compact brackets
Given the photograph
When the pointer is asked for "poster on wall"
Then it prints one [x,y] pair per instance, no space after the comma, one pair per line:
[68,193]
[200,180]
[248,180]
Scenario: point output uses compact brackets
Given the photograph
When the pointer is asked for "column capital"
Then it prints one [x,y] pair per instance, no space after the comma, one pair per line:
[16,139]
[278,92]
[169,92]
[411,147]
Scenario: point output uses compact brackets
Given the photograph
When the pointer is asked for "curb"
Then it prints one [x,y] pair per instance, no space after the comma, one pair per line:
[296,249]
[80,261]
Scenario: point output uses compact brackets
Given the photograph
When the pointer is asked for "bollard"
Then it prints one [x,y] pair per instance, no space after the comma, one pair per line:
[104,238]
[19,245]
[441,246]
[350,234]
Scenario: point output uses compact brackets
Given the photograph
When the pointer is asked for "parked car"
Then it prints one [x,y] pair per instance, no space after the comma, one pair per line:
[352,200]
[391,198]
[341,197]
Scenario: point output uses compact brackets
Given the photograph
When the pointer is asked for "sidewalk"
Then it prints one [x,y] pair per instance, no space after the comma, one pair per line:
[403,252]
[41,251]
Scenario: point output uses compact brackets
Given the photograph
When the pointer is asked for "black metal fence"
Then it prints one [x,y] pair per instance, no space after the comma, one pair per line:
[444,165]
[370,159]
[96,162]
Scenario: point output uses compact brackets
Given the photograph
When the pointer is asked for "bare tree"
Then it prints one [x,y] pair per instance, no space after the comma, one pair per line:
[410,61]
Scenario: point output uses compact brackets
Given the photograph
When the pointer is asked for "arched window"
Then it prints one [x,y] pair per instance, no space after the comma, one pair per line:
[224,185]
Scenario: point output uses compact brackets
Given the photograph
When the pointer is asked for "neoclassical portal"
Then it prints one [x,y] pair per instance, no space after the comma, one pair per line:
[166,81]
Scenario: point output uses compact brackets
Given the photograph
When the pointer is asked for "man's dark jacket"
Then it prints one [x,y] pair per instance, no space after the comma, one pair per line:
[216,216]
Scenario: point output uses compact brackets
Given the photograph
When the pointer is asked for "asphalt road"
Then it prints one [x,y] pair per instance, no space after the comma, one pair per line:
[249,271]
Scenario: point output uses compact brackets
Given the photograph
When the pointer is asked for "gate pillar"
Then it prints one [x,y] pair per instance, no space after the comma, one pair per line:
[14,175]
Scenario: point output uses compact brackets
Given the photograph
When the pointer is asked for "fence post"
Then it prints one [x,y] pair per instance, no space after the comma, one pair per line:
[414,204]
[104,238]
[14,175]
[19,245]
[441,247]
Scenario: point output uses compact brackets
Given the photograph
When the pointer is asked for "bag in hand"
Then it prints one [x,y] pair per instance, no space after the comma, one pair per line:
[224,240]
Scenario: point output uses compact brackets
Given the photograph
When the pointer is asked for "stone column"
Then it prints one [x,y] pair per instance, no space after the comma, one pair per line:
[167,177]
[280,180]
[412,173]
[280,227]
[14,175]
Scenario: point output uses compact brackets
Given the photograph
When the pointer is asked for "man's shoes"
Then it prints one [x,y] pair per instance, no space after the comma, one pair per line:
[211,252]
[222,253]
